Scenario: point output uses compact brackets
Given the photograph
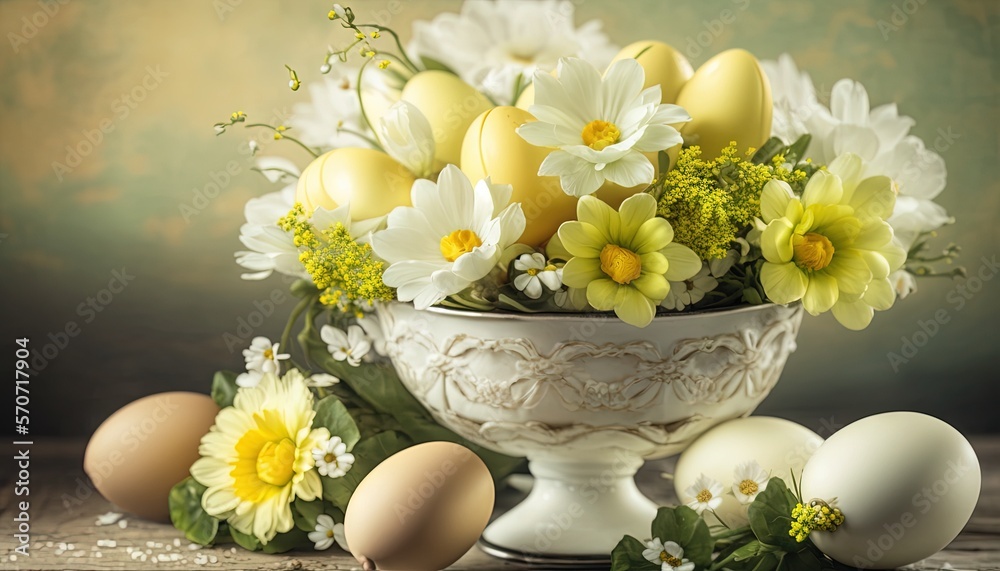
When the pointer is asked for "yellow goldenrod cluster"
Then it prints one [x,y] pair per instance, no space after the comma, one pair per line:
[709,203]
[816,515]
[347,272]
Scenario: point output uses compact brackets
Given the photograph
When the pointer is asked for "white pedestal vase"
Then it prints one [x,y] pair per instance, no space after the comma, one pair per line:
[586,398]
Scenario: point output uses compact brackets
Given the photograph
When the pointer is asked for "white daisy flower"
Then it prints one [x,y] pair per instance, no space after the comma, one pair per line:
[271,249]
[327,532]
[495,45]
[350,346]
[332,116]
[690,291]
[332,458]
[263,356]
[749,479]
[537,272]
[669,556]
[601,126]
[452,236]
[407,137]
[705,494]
[318,380]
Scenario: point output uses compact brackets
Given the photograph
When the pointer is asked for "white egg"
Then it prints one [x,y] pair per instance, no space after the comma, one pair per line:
[906,483]
[779,446]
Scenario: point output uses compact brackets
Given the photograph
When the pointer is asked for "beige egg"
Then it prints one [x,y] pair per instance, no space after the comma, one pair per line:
[373,182]
[907,483]
[729,99]
[664,66]
[421,509]
[493,148]
[145,448]
[450,105]
[779,446]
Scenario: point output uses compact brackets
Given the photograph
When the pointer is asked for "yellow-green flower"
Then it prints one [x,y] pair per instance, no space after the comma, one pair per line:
[624,259]
[258,457]
[829,244]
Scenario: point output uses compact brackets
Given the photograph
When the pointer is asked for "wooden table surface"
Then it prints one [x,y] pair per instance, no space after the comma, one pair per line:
[64,509]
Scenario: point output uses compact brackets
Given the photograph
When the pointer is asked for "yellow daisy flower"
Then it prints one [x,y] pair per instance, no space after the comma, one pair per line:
[624,259]
[258,457]
[832,244]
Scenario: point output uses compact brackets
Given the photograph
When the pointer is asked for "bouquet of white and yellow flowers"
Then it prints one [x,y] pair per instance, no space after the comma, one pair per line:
[506,160]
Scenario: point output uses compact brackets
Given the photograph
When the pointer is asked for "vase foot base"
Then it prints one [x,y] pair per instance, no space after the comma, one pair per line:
[554,561]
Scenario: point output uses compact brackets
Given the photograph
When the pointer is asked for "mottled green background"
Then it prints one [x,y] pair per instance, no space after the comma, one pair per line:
[121,206]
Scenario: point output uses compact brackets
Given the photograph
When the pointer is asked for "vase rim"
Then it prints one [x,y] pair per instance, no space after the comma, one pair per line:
[589,316]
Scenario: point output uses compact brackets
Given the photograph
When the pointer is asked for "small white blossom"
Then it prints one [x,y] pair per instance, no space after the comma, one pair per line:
[537,272]
[332,458]
[749,479]
[351,346]
[263,356]
[705,494]
[669,556]
[321,380]
[327,532]
[690,291]
[374,331]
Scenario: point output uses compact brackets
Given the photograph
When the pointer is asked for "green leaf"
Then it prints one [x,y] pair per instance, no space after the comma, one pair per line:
[430,63]
[797,150]
[294,539]
[333,415]
[802,560]
[627,556]
[664,161]
[245,541]
[367,454]
[768,151]
[305,513]
[224,388]
[187,514]
[770,516]
[685,527]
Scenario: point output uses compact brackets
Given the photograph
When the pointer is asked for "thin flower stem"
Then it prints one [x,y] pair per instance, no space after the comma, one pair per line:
[405,59]
[361,101]
[731,532]
[292,319]
[721,564]
[362,136]
[284,136]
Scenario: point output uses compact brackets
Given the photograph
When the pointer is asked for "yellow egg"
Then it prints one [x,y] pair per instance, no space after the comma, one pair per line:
[372,181]
[450,105]
[664,66]
[526,98]
[421,509]
[493,148]
[147,447]
[729,99]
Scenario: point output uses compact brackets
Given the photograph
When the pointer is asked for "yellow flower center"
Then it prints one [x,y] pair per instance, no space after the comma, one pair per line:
[812,251]
[704,496]
[599,134]
[532,271]
[328,458]
[620,264]
[748,487]
[275,462]
[268,354]
[329,533]
[459,242]
[669,559]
